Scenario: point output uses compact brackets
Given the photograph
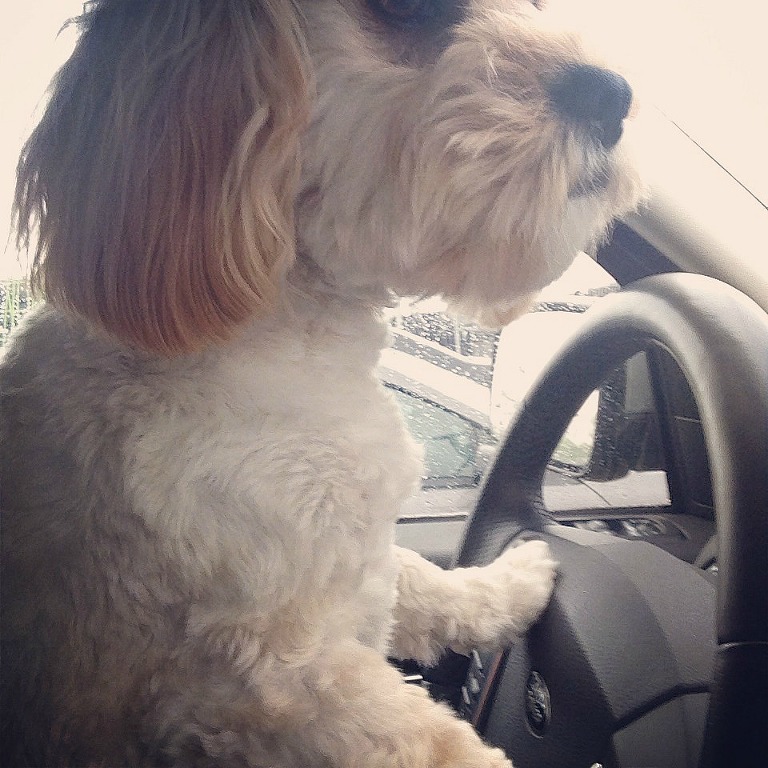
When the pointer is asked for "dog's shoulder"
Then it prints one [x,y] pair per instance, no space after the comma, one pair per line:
[283,435]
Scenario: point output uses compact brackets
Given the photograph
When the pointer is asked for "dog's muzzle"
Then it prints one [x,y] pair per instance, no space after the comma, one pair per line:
[593,98]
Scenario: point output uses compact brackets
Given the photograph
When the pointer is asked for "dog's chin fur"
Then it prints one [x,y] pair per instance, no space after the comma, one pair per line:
[200,469]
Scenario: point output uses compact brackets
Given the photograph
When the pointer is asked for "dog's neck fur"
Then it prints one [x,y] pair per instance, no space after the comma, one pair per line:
[326,321]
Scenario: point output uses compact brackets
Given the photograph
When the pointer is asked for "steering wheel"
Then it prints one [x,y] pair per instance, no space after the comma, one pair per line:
[640,659]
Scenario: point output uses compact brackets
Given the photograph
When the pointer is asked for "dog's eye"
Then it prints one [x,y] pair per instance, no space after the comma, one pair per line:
[406,11]
[403,9]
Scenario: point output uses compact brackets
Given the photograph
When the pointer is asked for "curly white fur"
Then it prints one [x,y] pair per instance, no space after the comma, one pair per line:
[200,479]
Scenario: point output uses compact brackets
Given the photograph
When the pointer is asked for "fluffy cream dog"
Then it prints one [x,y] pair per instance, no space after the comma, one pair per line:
[200,470]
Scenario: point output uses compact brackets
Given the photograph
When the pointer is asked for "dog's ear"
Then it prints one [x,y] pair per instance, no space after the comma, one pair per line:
[161,177]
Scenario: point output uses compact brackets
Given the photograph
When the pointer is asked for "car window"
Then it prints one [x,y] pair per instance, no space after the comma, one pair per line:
[460,386]
[453,445]
[32,47]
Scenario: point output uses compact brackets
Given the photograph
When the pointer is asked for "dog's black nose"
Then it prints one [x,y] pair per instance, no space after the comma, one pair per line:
[594,97]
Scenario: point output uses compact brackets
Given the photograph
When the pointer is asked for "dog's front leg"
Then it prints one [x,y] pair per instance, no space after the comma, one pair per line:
[469,608]
[334,705]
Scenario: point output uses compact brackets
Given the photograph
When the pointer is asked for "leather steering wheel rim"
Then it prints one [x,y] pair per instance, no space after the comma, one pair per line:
[719,339]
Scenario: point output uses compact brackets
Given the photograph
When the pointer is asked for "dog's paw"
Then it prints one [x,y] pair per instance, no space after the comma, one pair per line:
[523,578]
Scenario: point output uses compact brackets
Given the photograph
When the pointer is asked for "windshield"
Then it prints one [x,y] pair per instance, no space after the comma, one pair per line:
[476,379]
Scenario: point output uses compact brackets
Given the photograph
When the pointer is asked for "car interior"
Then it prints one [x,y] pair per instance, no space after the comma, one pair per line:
[654,650]
[655,643]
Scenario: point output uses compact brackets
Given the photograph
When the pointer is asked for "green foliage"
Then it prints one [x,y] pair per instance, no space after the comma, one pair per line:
[573,454]
[15,300]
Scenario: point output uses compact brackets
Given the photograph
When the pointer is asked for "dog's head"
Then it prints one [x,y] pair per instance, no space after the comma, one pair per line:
[191,149]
